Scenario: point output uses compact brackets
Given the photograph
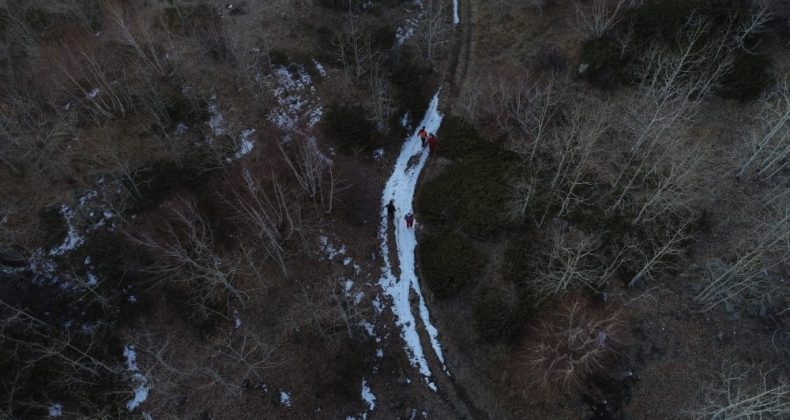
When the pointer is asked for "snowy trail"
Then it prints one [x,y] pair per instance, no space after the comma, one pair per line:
[398,286]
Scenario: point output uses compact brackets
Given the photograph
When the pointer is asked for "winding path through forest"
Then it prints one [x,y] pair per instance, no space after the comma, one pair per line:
[400,280]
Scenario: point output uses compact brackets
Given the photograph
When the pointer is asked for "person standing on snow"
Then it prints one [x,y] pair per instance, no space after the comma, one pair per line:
[409,220]
[423,135]
[432,143]
[390,210]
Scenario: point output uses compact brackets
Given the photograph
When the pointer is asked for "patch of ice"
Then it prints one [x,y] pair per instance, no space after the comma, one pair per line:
[285,399]
[93,93]
[368,396]
[181,129]
[56,410]
[236,319]
[141,391]
[216,122]
[319,68]
[246,145]
[405,120]
[368,327]
[378,153]
[73,238]
[400,188]
[330,250]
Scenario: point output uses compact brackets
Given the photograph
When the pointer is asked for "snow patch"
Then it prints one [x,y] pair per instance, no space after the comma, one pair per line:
[400,188]
[297,101]
[378,153]
[216,121]
[285,399]
[405,120]
[73,238]
[406,30]
[245,145]
[141,391]
[319,68]
[456,19]
[93,93]
[368,396]
[331,250]
[56,410]
[236,319]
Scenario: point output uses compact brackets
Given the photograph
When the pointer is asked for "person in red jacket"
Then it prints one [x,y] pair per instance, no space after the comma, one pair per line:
[423,135]
[432,142]
[409,220]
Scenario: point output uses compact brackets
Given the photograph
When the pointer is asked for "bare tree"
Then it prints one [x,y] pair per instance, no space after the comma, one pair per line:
[747,276]
[596,20]
[754,24]
[661,252]
[353,47]
[672,189]
[185,252]
[570,343]
[381,96]
[241,359]
[570,263]
[672,87]
[272,213]
[123,30]
[312,170]
[572,147]
[434,27]
[742,394]
[770,138]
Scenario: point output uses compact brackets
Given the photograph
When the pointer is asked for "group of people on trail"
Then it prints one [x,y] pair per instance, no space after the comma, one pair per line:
[429,139]
[391,214]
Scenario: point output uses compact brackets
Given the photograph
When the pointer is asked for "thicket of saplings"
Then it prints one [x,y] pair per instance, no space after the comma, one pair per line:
[191,231]
[588,200]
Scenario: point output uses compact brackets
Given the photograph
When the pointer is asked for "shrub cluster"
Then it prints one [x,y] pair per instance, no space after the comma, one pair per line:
[449,262]
[472,194]
[350,127]
[496,318]
[664,22]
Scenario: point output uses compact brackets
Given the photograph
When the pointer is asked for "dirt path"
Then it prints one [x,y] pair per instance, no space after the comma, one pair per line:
[463,53]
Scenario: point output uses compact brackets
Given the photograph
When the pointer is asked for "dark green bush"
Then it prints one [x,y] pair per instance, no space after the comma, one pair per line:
[350,127]
[495,317]
[459,138]
[449,262]
[53,226]
[521,259]
[158,179]
[381,37]
[747,78]
[609,64]
[666,20]
[472,194]
[414,83]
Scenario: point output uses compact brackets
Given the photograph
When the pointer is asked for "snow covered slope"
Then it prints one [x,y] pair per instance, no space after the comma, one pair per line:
[400,283]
